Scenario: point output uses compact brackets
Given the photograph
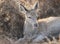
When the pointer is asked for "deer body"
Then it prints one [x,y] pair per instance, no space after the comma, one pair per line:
[49,22]
[48,26]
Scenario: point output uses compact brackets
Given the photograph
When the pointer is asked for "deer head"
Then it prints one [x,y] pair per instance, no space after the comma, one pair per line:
[30,15]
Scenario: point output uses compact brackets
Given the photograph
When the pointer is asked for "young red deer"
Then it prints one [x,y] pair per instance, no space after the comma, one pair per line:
[30,19]
[32,25]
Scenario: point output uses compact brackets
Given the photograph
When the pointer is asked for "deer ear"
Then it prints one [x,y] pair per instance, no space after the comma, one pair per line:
[23,9]
[35,6]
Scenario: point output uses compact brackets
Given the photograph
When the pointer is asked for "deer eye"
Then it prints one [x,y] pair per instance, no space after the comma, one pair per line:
[29,17]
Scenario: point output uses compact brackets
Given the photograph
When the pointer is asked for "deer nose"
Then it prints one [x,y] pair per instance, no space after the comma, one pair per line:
[35,25]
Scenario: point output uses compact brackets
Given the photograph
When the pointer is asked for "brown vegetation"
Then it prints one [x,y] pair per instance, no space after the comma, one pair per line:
[11,20]
[49,8]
